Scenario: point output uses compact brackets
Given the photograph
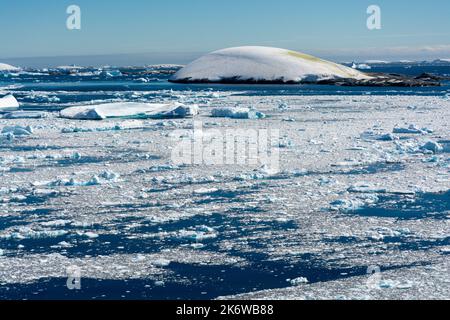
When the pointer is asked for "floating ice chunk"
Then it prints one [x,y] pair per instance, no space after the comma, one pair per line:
[112,73]
[432,146]
[25,115]
[18,130]
[361,66]
[412,129]
[283,106]
[298,172]
[130,110]
[205,190]
[161,262]
[56,223]
[199,234]
[65,244]
[346,205]
[365,188]
[445,250]
[76,156]
[28,233]
[237,113]
[109,175]
[8,103]
[90,235]
[386,137]
[95,180]
[159,283]
[297,281]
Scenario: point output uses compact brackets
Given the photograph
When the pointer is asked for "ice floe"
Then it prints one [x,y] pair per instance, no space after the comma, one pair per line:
[8,103]
[26,115]
[412,129]
[129,110]
[18,130]
[297,281]
[432,146]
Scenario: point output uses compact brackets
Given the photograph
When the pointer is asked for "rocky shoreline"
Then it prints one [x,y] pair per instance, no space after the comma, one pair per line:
[377,80]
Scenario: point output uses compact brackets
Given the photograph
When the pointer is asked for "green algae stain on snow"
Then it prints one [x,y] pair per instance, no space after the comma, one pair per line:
[338,69]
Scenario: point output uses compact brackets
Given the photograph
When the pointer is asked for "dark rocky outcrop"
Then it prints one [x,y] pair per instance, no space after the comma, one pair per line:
[377,80]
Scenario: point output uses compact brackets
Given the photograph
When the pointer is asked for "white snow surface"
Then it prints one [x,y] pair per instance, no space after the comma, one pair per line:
[264,64]
[129,110]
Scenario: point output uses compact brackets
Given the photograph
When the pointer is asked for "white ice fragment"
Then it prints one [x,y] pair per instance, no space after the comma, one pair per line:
[130,110]
[8,103]
[65,244]
[90,235]
[112,73]
[205,190]
[361,66]
[25,115]
[199,234]
[412,129]
[56,223]
[109,175]
[298,281]
[76,156]
[160,262]
[299,172]
[365,188]
[18,130]
[346,205]
[237,113]
[432,146]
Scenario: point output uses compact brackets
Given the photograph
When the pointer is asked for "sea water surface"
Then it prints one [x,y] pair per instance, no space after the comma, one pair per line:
[43,90]
[50,91]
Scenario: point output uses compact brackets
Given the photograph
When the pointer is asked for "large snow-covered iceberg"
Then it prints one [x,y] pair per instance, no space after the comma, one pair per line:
[7,67]
[130,110]
[263,65]
[8,103]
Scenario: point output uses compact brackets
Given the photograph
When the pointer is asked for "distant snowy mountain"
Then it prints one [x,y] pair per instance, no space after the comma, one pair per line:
[263,64]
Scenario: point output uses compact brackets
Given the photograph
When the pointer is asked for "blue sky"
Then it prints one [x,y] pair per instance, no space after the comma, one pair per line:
[148,29]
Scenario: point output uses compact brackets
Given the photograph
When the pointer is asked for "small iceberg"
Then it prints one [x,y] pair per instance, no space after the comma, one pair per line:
[26,115]
[130,110]
[432,146]
[361,66]
[237,113]
[18,130]
[112,73]
[7,67]
[8,103]
[412,129]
